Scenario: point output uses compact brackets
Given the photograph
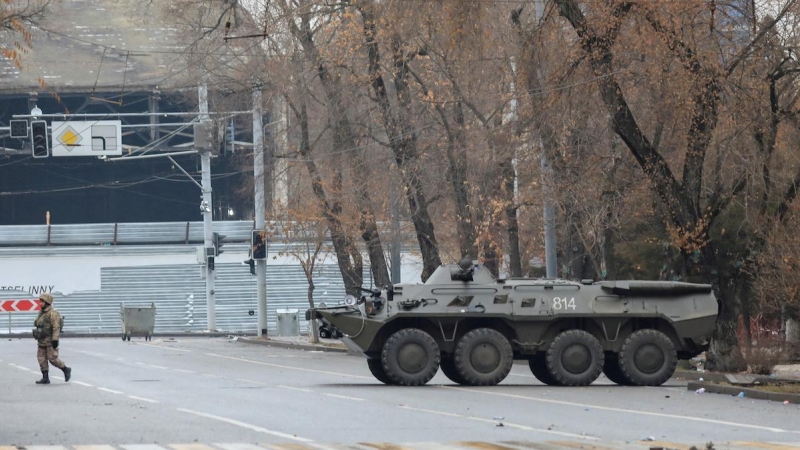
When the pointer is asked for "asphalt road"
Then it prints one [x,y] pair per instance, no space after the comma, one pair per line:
[220,393]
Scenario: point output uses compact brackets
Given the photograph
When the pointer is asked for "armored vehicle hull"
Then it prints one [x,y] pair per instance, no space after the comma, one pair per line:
[472,327]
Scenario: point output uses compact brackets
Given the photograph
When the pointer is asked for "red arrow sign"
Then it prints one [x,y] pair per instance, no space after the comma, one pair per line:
[19,305]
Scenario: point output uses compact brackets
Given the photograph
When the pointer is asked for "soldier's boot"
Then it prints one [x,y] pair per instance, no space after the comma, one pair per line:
[45,378]
[67,373]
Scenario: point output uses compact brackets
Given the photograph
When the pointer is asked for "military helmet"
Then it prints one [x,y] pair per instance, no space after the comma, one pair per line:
[47,298]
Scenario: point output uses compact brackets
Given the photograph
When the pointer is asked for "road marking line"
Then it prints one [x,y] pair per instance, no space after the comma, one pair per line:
[767,445]
[81,383]
[21,368]
[143,399]
[93,447]
[491,446]
[302,369]
[505,424]
[238,446]
[184,371]
[102,355]
[166,348]
[383,446]
[289,446]
[247,425]
[628,411]
[45,447]
[345,397]
[251,381]
[295,388]
[110,391]
[191,447]
[669,445]
[157,367]
[142,447]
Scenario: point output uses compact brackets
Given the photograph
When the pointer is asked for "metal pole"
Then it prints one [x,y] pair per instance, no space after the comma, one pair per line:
[260,206]
[205,160]
[551,261]
[549,215]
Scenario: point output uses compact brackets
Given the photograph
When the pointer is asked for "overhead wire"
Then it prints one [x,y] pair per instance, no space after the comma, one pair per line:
[361,147]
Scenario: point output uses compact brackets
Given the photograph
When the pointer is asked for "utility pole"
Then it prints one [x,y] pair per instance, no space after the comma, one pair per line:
[260,205]
[204,147]
[549,216]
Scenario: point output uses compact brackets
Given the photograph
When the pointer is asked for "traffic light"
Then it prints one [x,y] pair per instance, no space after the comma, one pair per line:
[41,148]
[259,245]
[218,242]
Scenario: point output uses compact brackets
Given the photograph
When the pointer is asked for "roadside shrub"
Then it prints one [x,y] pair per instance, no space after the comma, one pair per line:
[762,357]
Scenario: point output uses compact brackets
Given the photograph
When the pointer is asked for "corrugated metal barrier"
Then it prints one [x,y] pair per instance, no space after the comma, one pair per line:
[179,294]
[177,290]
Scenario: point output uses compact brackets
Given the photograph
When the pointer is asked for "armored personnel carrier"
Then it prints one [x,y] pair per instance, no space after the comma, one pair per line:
[472,326]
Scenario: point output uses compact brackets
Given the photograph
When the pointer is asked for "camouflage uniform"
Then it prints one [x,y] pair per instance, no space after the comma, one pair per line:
[47,334]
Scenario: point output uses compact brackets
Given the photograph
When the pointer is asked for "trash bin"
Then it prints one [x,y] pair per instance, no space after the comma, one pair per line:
[288,322]
[138,320]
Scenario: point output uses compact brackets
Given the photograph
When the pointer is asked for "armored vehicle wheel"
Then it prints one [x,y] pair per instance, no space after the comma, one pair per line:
[612,370]
[410,357]
[376,368]
[648,358]
[575,358]
[538,365]
[448,366]
[483,357]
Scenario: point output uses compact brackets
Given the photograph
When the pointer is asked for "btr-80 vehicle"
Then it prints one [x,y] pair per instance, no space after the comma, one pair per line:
[473,327]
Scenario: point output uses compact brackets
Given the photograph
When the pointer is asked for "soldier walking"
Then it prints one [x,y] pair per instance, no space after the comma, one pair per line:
[47,332]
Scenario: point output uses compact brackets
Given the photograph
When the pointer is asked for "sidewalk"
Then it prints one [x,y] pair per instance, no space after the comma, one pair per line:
[297,343]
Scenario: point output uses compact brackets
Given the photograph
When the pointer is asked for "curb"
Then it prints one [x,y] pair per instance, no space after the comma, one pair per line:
[290,345]
[748,393]
[719,377]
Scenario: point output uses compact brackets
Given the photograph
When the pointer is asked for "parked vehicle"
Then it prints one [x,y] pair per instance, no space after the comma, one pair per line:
[472,326]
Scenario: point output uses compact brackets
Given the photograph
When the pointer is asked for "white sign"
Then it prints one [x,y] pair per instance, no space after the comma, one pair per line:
[87,138]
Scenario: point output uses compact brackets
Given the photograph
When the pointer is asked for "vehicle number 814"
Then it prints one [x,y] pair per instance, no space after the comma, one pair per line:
[564,303]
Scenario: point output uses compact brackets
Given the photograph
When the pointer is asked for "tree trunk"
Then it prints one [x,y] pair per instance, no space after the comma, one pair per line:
[457,175]
[680,201]
[314,336]
[402,138]
[512,224]
[377,259]
[344,141]
[725,353]
[343,245]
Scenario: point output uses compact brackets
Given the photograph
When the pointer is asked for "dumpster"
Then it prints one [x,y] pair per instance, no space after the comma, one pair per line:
[288,322]
[138,320]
